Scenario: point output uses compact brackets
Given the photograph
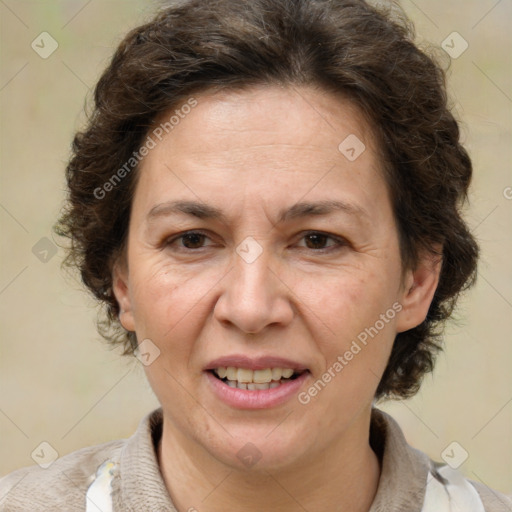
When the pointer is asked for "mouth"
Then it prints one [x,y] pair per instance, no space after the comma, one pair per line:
[259,382]
[255,380]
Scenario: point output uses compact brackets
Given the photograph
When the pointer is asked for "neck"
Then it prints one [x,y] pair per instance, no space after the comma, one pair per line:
[344,478]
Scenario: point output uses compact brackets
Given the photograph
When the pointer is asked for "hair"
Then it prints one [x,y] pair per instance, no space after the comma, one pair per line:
[346,46]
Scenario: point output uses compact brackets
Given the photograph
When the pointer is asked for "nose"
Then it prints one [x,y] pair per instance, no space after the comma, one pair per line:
[254,296]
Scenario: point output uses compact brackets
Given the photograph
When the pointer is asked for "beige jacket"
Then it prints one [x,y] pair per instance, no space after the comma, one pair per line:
[137,485]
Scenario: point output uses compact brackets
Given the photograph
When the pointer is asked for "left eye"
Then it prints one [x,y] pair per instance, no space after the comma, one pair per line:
[316,240]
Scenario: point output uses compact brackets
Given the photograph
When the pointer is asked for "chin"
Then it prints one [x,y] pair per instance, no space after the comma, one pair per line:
[256,451]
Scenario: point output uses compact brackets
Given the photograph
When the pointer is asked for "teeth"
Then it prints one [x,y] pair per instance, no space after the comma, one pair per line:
[231,373]
[256,377]
[244,375]
[261,376]
[252,386]
[276,373]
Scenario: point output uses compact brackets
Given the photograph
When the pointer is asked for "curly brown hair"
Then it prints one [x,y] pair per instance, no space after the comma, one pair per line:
[347,46]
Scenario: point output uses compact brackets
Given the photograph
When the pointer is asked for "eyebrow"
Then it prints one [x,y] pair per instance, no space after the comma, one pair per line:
[298,210]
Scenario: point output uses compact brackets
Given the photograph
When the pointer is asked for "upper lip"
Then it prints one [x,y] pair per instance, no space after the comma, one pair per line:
[255,363]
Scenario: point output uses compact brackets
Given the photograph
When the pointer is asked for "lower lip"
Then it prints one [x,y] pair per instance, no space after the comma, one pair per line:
[258,398]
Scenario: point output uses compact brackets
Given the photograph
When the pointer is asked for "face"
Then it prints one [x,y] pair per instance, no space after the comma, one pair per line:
[262,238]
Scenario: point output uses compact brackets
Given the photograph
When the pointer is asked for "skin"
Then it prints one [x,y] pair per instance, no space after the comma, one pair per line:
[252,153]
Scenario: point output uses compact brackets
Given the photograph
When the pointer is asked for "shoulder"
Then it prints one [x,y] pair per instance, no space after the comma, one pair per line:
[410,480]
[61,486]
[493,501]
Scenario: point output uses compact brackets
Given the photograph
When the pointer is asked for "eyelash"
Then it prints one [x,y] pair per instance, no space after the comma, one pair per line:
[339,242]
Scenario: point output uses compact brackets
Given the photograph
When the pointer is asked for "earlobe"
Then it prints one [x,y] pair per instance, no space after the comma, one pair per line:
[418,292]
[120,286]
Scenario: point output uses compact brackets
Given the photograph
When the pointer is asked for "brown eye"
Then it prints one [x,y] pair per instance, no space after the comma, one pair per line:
[193,240]
[320,241]
[316,240]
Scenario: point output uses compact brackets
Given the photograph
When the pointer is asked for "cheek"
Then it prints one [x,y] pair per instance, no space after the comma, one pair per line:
[352,320]
[168,304]
[346,301]
[163,295]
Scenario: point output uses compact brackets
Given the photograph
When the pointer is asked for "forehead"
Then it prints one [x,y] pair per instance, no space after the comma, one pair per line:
[267,144]
[303,117]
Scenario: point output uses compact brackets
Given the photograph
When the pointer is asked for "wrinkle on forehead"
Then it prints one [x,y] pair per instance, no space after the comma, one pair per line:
[244,114]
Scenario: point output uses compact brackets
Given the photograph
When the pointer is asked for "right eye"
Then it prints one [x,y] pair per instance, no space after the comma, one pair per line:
[191,240]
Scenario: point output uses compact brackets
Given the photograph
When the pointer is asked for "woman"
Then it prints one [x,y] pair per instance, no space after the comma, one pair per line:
[267,201]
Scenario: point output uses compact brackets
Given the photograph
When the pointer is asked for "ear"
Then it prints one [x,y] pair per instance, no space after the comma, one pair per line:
[418,290]
[121,288]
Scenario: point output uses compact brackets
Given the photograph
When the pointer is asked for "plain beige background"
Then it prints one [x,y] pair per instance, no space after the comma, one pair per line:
[61,385]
